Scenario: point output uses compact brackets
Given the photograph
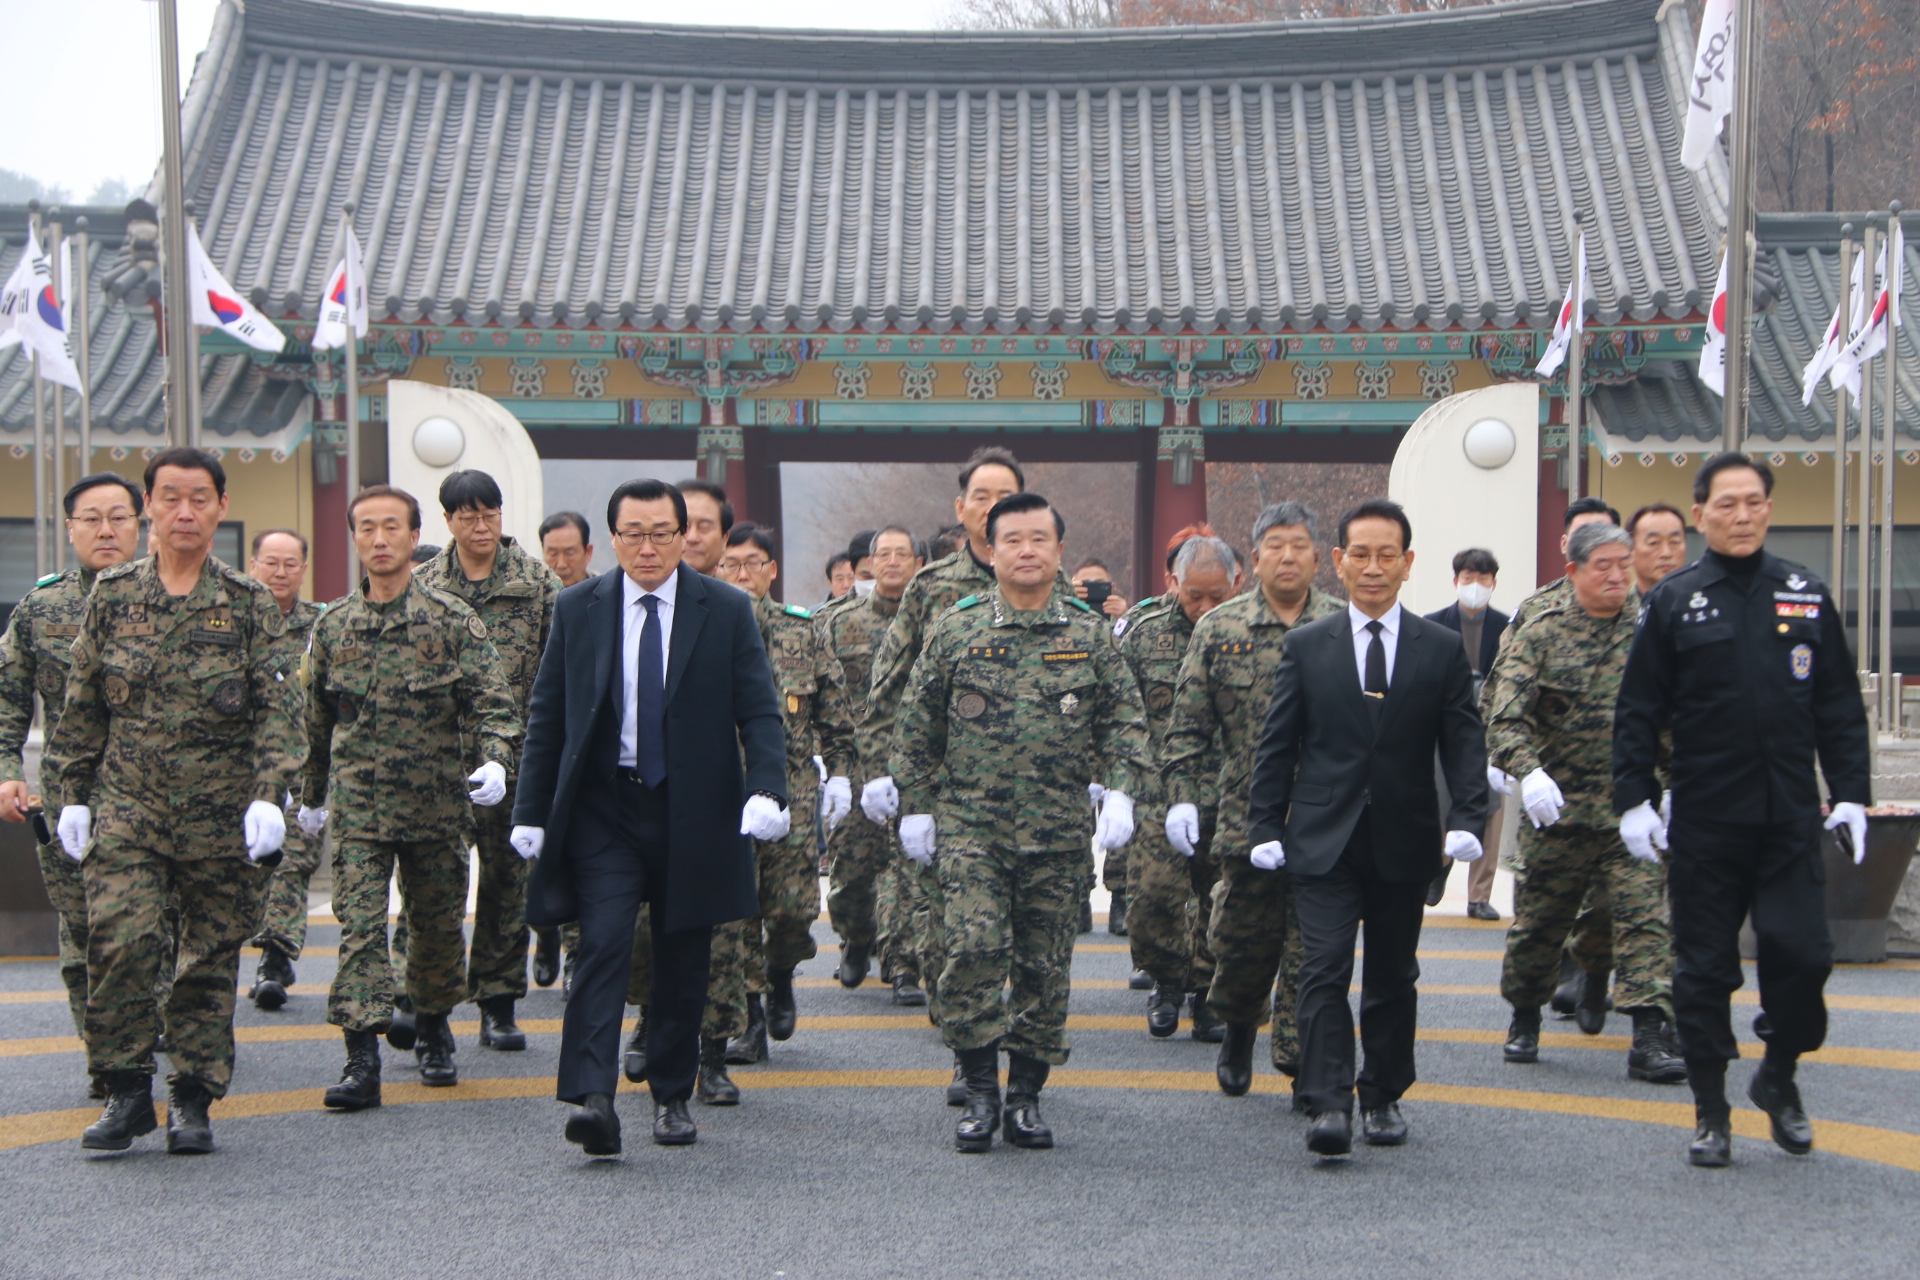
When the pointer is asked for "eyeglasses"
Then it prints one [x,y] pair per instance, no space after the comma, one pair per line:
[120,522]
[473,519]
[754,565]
[1385,559]
[634,537]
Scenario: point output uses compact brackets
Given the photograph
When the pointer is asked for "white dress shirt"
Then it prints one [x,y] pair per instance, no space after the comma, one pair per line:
[1363,638]
[633,620]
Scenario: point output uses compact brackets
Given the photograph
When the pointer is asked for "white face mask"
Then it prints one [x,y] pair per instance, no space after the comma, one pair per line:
[1473,596]
[863,586]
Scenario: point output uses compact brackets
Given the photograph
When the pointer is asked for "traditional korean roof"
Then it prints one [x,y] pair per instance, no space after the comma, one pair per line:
[1798,284]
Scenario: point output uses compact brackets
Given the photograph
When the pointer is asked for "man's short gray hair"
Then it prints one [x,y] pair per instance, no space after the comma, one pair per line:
[1283,515]
[1201,552]
[1589,538]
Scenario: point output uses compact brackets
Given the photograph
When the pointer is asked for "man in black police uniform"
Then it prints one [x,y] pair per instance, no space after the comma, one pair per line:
[1743,656]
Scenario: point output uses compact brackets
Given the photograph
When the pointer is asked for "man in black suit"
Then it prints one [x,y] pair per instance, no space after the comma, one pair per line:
[1344,797]
[653,685]
[1480,627]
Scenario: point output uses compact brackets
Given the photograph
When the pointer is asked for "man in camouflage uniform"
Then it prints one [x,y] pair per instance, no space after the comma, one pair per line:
[103,524]
[1219,708]
[1016,701]
[280,564]
[1172,896]
[406,694]
[862,857]
[1550,724]
[513,593]
[171,758]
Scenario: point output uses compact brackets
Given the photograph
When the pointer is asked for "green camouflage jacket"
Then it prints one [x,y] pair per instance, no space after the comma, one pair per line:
[853,632]
[812,694]
[516,603]
[930,593]
[395,687]
[1220,704]
[179,705]
[1553,708]
[1009,715]
[34,656]
[1152,638]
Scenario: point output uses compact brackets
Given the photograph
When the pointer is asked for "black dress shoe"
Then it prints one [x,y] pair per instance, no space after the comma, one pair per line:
[1234,1067]
[1590,1015]
[854,964]
[1383,1126]
[1482,911]
[1523,1037]
[189,1131]
[594,1126]
[672,1126]
[750,1046]
[1654,1056]
[1776,1094]
[1330,1134]
[711,1084]
[271,979]
[359,1086]
[1712,1145]
[1573,980]
[1117,914]
[434,1051]
[128,1113]
[1438,888]
[635,1064]
[781,1015]
[907,993]
[1163,1011]
[498,1030]
[403,1031]
[1207,1029]
[1139,981]
[546,955]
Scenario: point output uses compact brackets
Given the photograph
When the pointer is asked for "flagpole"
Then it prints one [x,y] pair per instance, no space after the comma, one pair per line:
[57,545]
[182,368]
[1739,217]
[352,397]
[86,345]
[1837,561]
[1576,446]
[1889,692]
[1868,239]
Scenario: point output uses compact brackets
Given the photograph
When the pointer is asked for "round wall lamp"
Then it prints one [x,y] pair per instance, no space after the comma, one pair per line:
[1489,444]
[439,442]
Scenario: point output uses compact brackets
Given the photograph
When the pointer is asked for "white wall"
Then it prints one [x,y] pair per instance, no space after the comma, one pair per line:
[490,439]
[1455,504]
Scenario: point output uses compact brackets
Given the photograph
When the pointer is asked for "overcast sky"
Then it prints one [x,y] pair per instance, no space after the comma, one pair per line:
[90,83]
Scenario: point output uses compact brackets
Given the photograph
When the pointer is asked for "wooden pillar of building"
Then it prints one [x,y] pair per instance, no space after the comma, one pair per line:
[760,494]
[1553,505]
[329,522]
[1178,498]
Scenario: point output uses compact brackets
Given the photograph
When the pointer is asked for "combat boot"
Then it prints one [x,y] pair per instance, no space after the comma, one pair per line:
[1163,1011]
[1207,1029]
[907,993]
[1654,1056]
[271,979]
[359,1086]
[1024,1127]
[1523,1037]
[498,1030]
[750,1046]
[434,1052]
[957,1087]
[1234,1068]
[189,1131]
[566,977]
[1774,1092]
[1139,980]
[711,1084]
[980,1068]
[1573,980]
[1117,914]
[403,1031]
[1590,1015]
[1086,915]
[855,962]
[781,1014]
[1712,1145]
[546,955]
[636,1062]
[128,1114]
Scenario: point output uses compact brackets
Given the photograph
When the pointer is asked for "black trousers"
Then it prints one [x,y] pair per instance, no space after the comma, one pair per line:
[1331,908]
[1717,873]
[620,863]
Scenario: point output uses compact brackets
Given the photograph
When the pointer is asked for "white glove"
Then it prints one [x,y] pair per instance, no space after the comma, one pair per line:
[821,765]
[838,794]
[490,784]
[528,841]
[1183,828]
[1269,856]
[1096,793]
[75,829]
[1115,826]
[265,828]
[1541,797]
[1500,780]
[1854,818]
[1641,830]
[1666,808]
[764,818]
[916,837]
[312,821]
[1463,846]
[880,800]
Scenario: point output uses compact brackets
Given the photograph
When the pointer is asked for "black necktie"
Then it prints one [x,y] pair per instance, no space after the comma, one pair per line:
[1376,683]
[650,702]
